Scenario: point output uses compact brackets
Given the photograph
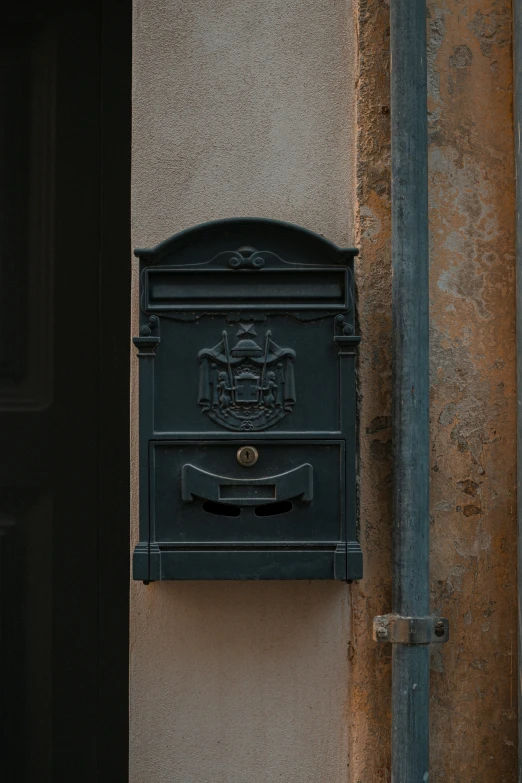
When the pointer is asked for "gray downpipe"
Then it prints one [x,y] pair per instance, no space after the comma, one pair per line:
[517,110]
[410,662]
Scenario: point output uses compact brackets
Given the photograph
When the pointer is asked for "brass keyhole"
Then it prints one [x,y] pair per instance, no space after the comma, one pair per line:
[247,456]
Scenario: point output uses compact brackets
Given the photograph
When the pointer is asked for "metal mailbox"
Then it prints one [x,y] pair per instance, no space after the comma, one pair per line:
[247,405]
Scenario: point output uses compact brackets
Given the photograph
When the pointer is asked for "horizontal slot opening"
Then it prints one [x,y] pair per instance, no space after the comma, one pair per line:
[181,289]
[273,509]
[247,492]
[221,509]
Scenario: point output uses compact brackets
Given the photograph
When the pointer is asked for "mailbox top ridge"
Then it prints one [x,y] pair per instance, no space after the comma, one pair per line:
[295,244]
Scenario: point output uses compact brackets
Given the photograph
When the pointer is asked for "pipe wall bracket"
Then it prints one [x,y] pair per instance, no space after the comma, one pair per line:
[410,630]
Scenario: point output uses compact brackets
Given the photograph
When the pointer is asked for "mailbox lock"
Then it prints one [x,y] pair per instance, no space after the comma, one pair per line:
[247,455]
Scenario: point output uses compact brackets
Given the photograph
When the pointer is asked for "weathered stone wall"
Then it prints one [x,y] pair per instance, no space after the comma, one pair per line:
[370,672]
[473,530]
[473,390]
[369,731]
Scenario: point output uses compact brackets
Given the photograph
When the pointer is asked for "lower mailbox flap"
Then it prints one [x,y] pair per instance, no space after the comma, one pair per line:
[296,483]
[202,495]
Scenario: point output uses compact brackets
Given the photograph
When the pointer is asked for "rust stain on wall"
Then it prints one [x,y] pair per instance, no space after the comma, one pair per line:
[473,426]
[473,531]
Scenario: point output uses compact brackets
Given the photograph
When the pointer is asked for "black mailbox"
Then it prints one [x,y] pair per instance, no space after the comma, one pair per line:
[247,405]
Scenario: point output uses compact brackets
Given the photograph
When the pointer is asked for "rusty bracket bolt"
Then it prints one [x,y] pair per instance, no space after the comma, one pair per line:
[410,630]
[439,628]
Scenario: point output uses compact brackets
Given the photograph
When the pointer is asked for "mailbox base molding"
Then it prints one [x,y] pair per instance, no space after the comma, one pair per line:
[233,563]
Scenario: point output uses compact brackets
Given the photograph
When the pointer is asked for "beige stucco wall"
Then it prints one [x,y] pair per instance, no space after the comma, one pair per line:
[241,108]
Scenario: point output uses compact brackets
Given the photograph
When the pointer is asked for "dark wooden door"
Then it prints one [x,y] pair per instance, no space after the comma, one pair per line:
[64,371]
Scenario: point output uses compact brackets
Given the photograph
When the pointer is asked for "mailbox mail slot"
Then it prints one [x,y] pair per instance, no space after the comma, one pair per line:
[247,406]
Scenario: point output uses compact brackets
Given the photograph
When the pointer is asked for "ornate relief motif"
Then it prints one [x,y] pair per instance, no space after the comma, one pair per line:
[149,339]
[343,326]
[247,387]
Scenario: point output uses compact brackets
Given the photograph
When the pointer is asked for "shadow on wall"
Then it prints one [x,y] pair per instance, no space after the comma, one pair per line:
[248,616]
[242,676]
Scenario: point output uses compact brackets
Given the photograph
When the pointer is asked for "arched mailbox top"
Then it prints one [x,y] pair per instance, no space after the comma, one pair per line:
[252,263]
[293,244]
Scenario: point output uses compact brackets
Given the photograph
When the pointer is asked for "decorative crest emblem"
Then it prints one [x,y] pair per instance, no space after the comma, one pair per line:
[247,387]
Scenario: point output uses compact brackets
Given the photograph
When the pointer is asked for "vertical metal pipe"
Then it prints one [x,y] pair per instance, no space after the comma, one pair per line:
[410,663]
[517,111]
